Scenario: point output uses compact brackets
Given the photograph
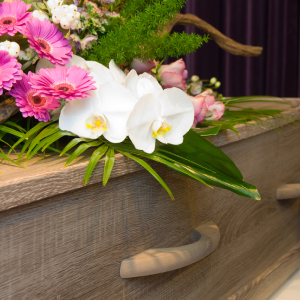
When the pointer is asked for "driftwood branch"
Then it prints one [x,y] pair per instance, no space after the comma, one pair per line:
[7,109]
[223,41]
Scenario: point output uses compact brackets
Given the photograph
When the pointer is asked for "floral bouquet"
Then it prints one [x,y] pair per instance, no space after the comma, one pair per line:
[91,72]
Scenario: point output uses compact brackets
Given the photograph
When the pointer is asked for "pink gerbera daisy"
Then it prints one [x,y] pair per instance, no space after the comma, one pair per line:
[48,41]
[13,17]
[31,103]
[63,83]
[10,71]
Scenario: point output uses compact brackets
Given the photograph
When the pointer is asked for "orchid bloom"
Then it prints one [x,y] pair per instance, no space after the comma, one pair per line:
[105,113]
[107,110]
[165,115]
[173,75]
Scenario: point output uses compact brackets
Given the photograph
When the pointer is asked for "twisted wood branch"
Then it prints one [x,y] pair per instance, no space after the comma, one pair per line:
[223,41]
[7,109]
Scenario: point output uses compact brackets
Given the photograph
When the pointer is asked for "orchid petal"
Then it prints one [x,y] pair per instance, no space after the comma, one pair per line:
[140,122]
[116,105]
[177,109]
[131,82]
[73,117]
[118,74]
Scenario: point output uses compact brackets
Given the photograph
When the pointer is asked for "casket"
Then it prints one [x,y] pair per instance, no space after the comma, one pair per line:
[62,240]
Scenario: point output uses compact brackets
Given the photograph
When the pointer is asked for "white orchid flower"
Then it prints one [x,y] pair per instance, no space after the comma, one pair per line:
[165,115]
[105,113]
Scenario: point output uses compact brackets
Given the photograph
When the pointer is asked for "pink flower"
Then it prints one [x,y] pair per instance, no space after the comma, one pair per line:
[10,71]
[206,108]
[63,83]
[200,109]
[142,66]
[13,17]
[32,103]
[173,75]
[215,111]
[48,41]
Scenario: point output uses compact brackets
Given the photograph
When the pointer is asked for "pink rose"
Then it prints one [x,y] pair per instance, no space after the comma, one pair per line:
[142,67]
[200,109]
[173,75]
[206,108]
[215,111]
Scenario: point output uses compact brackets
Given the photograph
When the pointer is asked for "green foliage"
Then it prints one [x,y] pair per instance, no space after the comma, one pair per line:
[196,158]
[138,35]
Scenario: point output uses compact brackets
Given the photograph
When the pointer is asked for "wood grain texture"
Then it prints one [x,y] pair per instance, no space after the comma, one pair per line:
[7,109]
[69,246]
[156,261]
[223,41]
[288,191]
[44,178]
[262,287]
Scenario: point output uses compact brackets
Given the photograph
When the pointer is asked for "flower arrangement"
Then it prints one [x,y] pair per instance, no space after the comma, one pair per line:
[92,73]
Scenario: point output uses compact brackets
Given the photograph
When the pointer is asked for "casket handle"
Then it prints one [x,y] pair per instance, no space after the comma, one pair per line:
[288,191]
[154,261]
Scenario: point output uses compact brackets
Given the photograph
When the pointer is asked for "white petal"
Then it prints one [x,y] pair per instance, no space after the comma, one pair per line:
[131,82]
[73,116]
[145,86]
[116,104]
[74,61]
[118,74]
[140,121]
[43,64]
[153,80]
[100,73]
[177,109]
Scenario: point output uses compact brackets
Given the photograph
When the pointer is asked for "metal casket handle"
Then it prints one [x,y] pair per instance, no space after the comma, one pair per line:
[288,191]
[155,261]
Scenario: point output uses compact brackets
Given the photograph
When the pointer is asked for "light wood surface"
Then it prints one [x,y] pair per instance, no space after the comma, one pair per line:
[223,41]
[262,286]
[155,261]
[69,245]
[288,191]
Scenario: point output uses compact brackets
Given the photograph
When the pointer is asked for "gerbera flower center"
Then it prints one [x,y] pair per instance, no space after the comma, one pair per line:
[65,87]
[36,100]
[7,21]
[44,45]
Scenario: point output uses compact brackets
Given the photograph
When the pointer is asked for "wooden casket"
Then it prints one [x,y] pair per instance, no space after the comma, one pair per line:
[61,240]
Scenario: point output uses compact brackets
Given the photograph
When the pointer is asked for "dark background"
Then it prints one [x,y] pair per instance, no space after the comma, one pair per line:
[271,24]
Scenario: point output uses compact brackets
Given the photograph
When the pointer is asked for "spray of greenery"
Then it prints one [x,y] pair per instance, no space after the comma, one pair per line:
[138,34]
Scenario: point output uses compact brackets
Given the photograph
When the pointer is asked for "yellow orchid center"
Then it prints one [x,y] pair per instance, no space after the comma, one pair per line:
[96,123]
[160,128]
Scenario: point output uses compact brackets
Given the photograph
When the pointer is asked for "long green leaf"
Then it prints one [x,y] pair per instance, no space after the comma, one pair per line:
[97,154]
[11,131]
[109,163]
[13,124]
[3,156]
[199,159]
[32,132]
[80,149]
[46,142]
[51,129]
[209,131]
[73,143]
[151,171]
